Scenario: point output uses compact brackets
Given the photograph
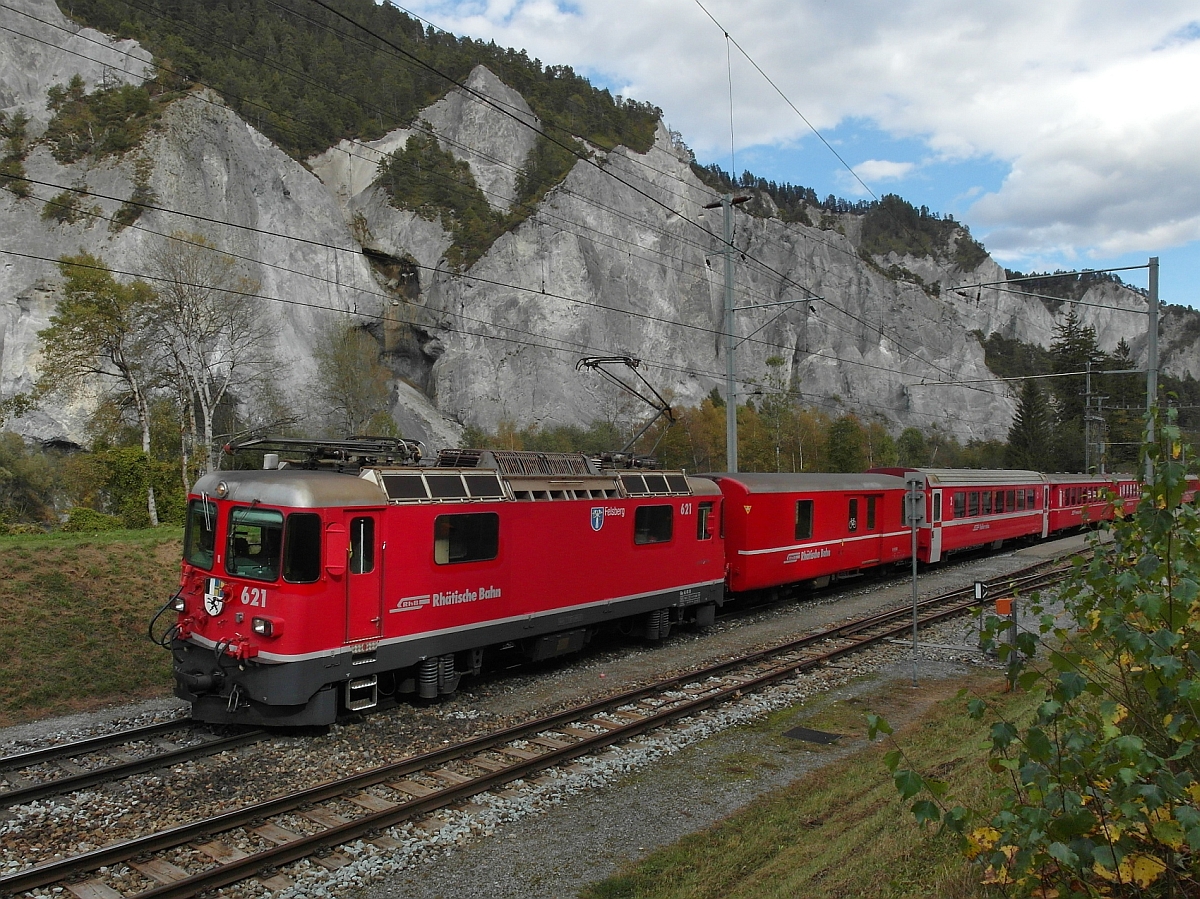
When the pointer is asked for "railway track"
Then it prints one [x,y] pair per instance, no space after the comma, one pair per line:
[258,839]
[96,760]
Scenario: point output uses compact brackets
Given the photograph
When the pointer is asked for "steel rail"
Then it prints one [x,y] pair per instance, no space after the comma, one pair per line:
[241,869]
[56,871]
[90,744]
[121,770]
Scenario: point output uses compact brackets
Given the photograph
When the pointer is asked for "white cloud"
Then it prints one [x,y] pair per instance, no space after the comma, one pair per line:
[873,172]
[1093,105]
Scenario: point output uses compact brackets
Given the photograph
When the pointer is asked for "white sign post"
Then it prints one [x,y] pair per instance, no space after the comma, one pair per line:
[914,515]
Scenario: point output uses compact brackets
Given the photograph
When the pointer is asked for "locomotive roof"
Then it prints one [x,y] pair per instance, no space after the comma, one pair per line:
[294,488]
[772,482]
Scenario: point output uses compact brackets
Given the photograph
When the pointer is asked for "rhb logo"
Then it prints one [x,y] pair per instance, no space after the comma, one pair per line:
[597,517]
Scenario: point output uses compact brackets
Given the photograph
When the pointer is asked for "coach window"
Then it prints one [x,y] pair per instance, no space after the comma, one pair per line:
[1031,499]
[200,536]
[960,504]
[852,517]
[1020,500]
[255,541]
[704,522]
[302,548]
[987,503]
[466,538]
[652,524]
[972,504]
[804,519]
[870,513]
[362,545]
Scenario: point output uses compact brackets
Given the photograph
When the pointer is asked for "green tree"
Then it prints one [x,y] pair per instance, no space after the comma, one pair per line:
[1073,350]
[26,482]
[912,449]
[1029,438]
[1099,794]
[107,330]
[846,445]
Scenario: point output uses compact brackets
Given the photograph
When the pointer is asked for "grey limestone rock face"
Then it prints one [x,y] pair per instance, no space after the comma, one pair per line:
[621,258]
[41,48]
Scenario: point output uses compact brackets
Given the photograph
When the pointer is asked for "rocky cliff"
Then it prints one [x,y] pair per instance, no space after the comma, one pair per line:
[621,258]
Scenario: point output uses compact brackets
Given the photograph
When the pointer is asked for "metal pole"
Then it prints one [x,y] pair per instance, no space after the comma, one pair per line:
[731,436]
[1151,365]
[914,580]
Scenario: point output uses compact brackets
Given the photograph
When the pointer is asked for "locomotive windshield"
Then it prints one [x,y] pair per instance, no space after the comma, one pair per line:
[200,534]
[255,540]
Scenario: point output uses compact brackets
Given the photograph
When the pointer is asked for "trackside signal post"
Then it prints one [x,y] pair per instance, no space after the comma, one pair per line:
[914,515]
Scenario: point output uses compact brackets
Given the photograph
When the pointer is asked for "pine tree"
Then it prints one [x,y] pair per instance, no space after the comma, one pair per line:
[1029,436]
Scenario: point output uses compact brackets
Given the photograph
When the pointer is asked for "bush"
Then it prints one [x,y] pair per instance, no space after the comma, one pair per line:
[82,518]
[1100,792]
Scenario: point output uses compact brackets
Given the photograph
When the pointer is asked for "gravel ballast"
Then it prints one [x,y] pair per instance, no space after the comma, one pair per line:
[565,828]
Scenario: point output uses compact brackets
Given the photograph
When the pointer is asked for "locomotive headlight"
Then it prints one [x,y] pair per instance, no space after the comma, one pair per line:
[266,627]
[222,489]
[179,604]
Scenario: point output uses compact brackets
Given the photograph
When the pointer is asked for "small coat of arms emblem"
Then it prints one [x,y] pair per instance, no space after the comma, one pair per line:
[597,518]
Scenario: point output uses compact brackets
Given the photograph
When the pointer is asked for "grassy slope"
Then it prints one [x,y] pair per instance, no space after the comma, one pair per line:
[74,609]
[841,831]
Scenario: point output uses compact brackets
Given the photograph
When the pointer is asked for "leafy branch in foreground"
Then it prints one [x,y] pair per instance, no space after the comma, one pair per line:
[1099,794]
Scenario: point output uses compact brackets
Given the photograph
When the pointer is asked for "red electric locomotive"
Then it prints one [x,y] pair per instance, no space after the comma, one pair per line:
[788,528]
[968,508]
[308,591]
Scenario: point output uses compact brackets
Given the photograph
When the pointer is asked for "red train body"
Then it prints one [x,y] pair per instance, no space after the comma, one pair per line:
[789,528]
[308,592]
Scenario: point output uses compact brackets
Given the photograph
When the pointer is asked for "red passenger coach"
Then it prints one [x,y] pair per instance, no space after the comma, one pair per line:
[1078,499]
[789,528]
[305,592]
[968,508]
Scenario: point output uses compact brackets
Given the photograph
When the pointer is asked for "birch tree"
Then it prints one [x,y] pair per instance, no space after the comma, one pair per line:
[352,385]
[214,332]
[103,330]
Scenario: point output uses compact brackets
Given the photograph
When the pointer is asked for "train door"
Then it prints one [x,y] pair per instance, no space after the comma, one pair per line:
[364,578]
[935,526]
[1045,512]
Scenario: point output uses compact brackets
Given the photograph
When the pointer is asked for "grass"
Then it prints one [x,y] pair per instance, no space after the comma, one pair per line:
[74,610]
[842,830]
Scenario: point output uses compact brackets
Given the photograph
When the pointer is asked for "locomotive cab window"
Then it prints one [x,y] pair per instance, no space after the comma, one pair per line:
[704,521]
[302,548]
[804,519]
[255,542]
[362,545]
[466,538]
[652,524]
[200,536]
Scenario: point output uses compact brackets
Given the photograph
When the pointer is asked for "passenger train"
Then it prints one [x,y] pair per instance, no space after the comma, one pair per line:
[354,574]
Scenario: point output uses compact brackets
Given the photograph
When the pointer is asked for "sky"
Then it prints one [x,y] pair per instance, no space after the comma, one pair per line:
[1064,134]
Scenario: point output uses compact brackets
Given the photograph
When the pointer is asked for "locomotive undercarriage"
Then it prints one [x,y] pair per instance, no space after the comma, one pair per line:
[314,691]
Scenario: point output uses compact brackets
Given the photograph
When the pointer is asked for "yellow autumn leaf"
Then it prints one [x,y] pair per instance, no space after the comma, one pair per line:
[981,840]
[1104,873]
[993,875]
[1141,870]
[1193,791]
